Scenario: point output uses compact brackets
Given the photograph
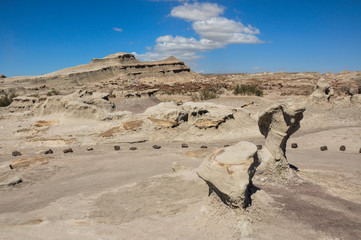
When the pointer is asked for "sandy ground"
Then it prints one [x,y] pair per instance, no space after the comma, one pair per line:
[134,194]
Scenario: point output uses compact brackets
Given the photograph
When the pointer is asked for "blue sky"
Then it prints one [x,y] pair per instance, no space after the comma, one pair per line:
[228,36]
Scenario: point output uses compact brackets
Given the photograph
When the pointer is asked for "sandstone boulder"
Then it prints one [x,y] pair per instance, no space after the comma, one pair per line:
[166,115]
[229,172]
[277,124]
[207,115]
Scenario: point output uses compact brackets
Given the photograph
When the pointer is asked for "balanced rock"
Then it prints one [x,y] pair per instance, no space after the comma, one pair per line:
[229,171]
[277,124]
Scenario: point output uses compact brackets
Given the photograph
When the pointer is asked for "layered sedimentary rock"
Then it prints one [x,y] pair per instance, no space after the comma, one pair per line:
[229,172]
[123,65]
[277,124]
[80,104]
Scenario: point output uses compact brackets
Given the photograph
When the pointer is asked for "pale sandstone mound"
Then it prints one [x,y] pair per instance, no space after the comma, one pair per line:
[137,101]
[229,172]
[323,92]
[81,104]
[23,103]
[207,115]
[199,115]
[277,124]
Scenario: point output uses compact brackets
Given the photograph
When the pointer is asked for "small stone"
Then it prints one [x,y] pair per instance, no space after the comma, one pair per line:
[203,146]
[226,145]
[294,145]
[184,145]
[323,148]
[343,148]
[133,148]
[156,147]
[68,150]
[89,149]
[16,153]
[49,151]
[11,181]
[116,148]
[259,147]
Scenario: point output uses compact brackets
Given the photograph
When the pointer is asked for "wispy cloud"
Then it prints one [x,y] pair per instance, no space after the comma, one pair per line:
[117,29]
[259,69]
[214,32]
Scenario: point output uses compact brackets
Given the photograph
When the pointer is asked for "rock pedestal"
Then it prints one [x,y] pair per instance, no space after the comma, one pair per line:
[277,124]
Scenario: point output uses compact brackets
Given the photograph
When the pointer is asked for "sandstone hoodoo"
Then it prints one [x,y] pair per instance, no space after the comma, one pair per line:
[323,92]
[277,124]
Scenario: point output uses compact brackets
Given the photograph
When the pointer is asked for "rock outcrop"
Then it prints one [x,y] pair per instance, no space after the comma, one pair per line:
[277,124]
[80,104]
[323,92]
[229,172]
[119,65]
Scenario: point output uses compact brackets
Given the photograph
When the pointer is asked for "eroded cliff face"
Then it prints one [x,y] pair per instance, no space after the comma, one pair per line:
[119,65]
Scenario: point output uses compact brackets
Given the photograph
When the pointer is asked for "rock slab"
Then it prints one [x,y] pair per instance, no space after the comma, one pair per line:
[229,171]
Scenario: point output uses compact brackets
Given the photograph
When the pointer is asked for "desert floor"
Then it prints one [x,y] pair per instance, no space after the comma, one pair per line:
[134,194]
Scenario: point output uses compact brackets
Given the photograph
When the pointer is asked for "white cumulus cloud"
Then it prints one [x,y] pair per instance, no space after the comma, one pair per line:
[197,11]
[214,32]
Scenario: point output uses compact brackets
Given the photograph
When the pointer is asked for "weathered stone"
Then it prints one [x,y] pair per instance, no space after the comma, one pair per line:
[116,148]
[323,148]
[343,148]
[229,172]
[68,150]
[166,115]
[207,115]
[11,181]
[132,148]
[323,92]
[294,145]
[277,124]
[184,145]
[156,146]
[16,153]
[49,151]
